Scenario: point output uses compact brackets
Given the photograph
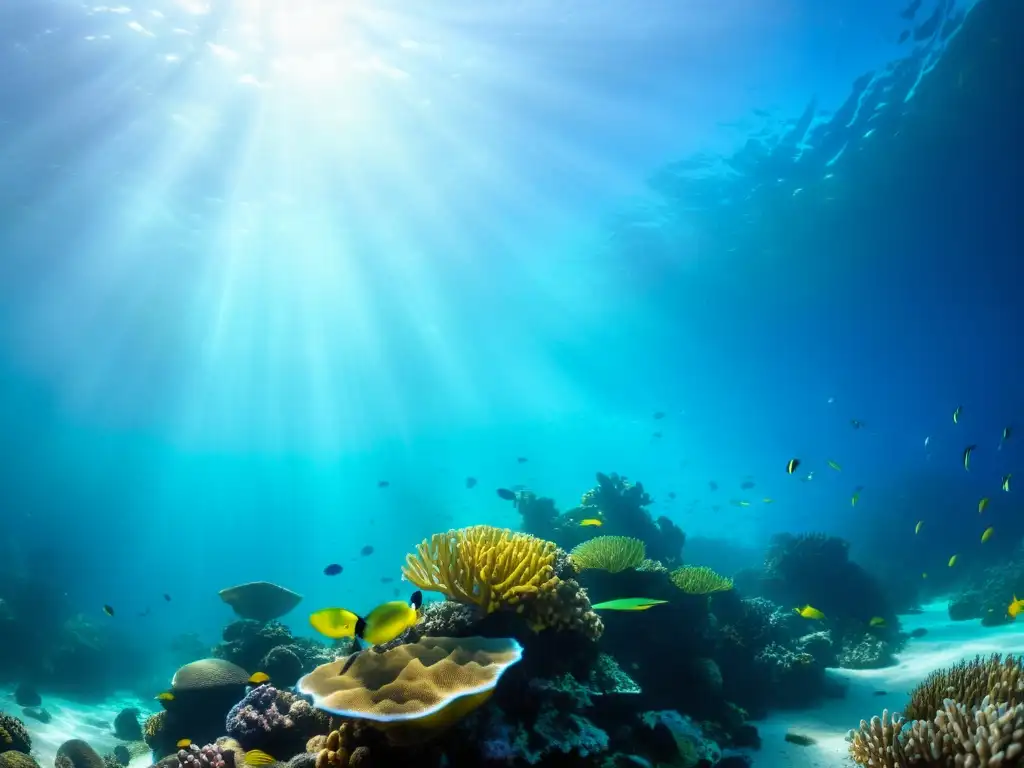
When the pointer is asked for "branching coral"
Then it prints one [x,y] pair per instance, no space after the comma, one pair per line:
[987,735]
[968,683]
[485,566]
[699,580]
[609,553]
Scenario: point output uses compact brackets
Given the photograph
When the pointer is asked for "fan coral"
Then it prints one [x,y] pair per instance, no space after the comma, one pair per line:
[482,565]
[699,580]
[968,683]
[13,735]
[608,553]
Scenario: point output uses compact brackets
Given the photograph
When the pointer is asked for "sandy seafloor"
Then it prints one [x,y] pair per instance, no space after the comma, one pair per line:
[945,643]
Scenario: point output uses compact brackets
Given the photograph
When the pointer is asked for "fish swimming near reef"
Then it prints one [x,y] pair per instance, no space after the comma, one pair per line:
[791,465]
[1015,607]
[808,612]
[987,534]
[956,414]
[1006,482]
[628,604]
[877,621]
[108,610]
[917,528]
[381,625]
[982,505]
[967,456]
[591,522]
[835,466]
[333,569]
[952,560]
[257,757]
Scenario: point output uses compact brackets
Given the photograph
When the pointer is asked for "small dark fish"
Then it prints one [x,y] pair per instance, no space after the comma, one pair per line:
[383,483]
[791,465]
[367,550]
[903,36]
[471,482]
[659,415]
[656,435]
[919,632]
[506,494]
[880,693]
[333,569]
[396,591]
[712,485]
[799,739]
[108,610]
[746,485]
[856,423]
[671,495]
[386,579]
[167,597]
[522,459]
[967,456]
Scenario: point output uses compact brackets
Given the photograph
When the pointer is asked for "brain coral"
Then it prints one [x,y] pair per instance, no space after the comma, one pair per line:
[206,674]
[13,736]
[413,681]
[76,753]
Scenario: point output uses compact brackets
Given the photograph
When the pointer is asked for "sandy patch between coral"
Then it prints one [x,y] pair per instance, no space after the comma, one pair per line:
[74,720]
[946,643]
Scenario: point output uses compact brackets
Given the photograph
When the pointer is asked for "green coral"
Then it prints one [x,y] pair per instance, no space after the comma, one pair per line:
[699,580]
[13,735]
[608,553]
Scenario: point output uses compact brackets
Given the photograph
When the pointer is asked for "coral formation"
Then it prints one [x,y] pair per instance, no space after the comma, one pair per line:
[969,683]
[608,553]
[699,580]
[210,756]
[76,753]
[260,600]
[490,567]
[13,759]
[13,735]
[430,684]
[275,721]
[126,725]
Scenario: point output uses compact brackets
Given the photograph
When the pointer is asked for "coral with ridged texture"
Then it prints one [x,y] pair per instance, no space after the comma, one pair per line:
[482,565]
[699,580]
[210,756]
[567,607]
[424,686]
[968,683]
[608,553]
[13,735]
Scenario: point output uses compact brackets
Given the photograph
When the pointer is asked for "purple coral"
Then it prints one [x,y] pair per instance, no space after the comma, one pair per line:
[210,756]
[256,717]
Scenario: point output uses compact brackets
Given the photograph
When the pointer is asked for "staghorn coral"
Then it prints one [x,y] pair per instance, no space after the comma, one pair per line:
[872,744]
[490,567]
[987,735]
[608,553]
[13,735]
[968,683]
[699,580]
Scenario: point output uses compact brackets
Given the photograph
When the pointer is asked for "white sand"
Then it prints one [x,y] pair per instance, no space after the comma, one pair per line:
[74,720]
[946,643]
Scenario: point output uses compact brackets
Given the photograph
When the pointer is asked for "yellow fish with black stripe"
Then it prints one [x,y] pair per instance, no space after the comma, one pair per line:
[381,625]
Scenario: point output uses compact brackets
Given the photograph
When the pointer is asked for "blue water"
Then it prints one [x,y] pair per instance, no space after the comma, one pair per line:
[255,262]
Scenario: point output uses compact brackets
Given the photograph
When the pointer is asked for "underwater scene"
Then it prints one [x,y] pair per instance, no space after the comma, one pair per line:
[512,383]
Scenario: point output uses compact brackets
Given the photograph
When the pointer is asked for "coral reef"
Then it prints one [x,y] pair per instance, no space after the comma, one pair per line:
[12,759]
[271,648]
[13,735]
[126,725]
[275,721]
[76,753]
[260,601]
[210,756]
[608,553]
[969,683]
[699,580]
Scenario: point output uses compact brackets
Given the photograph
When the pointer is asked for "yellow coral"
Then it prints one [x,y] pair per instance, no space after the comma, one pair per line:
[485,566]
[608,553]
[699,580]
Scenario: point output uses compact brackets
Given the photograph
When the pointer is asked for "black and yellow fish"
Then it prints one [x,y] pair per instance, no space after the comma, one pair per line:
[381,625]
[791,465]
[967,456]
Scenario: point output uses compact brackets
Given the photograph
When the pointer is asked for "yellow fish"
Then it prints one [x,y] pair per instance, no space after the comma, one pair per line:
[877,621]
[381,625]
[956,414]
[766,500]
[591,522]
[917,528]
[183,743]
[982,504]
[259,678]
[744,503]
[258,757]
[987,534]
[165,696]
[809,613]
[1015,607]
[628,604]
[1006,483]
[854,498]
[967,456]
[835,466]
[791,465]
[952,560]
